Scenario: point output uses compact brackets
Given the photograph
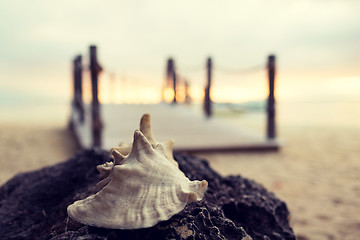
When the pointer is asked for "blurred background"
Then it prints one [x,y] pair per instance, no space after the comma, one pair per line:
[317,50]
[316,44]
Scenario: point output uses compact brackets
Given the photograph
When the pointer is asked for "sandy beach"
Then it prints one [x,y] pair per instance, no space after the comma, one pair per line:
[317,172]
[26,147]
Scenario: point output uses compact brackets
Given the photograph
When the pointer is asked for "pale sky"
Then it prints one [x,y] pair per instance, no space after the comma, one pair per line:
[317,44]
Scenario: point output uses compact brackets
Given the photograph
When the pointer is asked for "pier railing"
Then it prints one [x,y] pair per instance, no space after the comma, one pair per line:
[79,112]
[173,81]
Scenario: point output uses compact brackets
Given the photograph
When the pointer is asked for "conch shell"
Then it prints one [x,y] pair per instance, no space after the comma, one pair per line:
[139,189]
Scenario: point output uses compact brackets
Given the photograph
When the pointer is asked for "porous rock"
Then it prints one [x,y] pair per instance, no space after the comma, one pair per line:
[33,205]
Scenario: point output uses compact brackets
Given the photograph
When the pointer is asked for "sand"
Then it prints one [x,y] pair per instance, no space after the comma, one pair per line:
[317,172]
[25,147]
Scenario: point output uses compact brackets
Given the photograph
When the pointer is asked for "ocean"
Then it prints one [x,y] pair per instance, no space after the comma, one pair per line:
[247,115]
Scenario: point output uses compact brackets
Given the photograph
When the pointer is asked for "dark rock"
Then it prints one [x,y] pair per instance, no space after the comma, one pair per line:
[33,205]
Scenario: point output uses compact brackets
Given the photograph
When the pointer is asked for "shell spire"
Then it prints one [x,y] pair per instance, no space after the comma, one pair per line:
[140,188]
[105,169]
[141,144]
[118,157]
[145,128]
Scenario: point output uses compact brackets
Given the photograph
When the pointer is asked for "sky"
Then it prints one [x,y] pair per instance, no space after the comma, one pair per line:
[316,43]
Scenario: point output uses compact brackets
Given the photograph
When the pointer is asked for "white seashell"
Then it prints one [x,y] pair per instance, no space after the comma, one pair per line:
[140,189]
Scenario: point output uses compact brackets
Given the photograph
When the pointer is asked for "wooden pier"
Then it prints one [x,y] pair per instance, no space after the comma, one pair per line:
[107,125]
[191,130]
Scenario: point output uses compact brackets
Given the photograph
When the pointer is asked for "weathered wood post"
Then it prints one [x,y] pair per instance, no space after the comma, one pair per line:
[95,69]
[207,99]
[78,100]
[173,80]
[271,128]
[168,78]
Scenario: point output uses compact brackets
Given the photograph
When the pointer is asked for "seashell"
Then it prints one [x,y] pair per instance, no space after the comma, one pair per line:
[140,188]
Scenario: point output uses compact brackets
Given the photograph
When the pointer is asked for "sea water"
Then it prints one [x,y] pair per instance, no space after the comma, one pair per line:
[331,113]
[248,115]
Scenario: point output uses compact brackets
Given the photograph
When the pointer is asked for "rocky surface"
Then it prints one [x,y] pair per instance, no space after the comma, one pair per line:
[33,206]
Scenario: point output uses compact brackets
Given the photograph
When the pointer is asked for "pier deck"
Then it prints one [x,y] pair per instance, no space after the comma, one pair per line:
[191,130]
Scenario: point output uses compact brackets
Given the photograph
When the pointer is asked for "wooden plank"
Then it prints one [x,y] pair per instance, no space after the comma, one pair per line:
[192,131]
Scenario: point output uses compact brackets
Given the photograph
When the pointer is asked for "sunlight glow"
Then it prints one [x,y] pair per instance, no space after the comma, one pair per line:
[168,94]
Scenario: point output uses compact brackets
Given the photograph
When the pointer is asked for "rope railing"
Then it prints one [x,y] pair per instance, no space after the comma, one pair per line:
[210,68]
[188,72]
[191,68]
[239,71]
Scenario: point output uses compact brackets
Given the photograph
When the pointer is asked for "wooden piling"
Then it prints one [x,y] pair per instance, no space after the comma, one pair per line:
[207,99]
[174,80]
[271,122]
[78,100]
[169,70]
[95,69]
